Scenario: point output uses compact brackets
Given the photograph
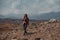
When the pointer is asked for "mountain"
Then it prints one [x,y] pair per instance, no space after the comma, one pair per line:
[50,15]
[44,16]
[14,16]
[1,16]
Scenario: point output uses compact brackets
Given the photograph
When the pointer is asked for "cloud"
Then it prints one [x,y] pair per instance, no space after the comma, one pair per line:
[32,7]
[8,7]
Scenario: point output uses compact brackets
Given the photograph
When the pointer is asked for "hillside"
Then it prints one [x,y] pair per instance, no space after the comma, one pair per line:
[46,16]
[42,16]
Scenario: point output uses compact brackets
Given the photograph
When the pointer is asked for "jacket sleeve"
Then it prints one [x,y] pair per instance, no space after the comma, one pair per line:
[28,21]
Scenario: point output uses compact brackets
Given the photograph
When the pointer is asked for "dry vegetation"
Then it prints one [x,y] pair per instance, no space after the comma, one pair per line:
[42,30]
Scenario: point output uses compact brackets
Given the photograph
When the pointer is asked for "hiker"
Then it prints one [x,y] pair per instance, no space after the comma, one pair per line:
[25,23]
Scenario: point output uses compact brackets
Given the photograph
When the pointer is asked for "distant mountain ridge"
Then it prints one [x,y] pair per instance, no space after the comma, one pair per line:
[50,15]
[1,16]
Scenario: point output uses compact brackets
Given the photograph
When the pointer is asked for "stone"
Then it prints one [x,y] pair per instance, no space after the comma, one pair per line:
[37,38]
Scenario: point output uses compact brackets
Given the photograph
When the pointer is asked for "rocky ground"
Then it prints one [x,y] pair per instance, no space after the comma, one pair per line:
[36,31]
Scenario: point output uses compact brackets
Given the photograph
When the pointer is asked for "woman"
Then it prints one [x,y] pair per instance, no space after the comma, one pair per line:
[25,23]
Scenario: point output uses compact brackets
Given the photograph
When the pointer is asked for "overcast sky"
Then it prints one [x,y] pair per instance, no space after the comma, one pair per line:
[32,7]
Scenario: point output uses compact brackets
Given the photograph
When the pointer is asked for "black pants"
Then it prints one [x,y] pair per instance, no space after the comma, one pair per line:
[25,27]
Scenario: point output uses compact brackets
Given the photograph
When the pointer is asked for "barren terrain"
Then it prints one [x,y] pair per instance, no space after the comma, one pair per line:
[36,31]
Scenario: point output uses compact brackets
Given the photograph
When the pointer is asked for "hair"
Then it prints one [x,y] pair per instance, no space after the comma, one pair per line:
[25,15]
